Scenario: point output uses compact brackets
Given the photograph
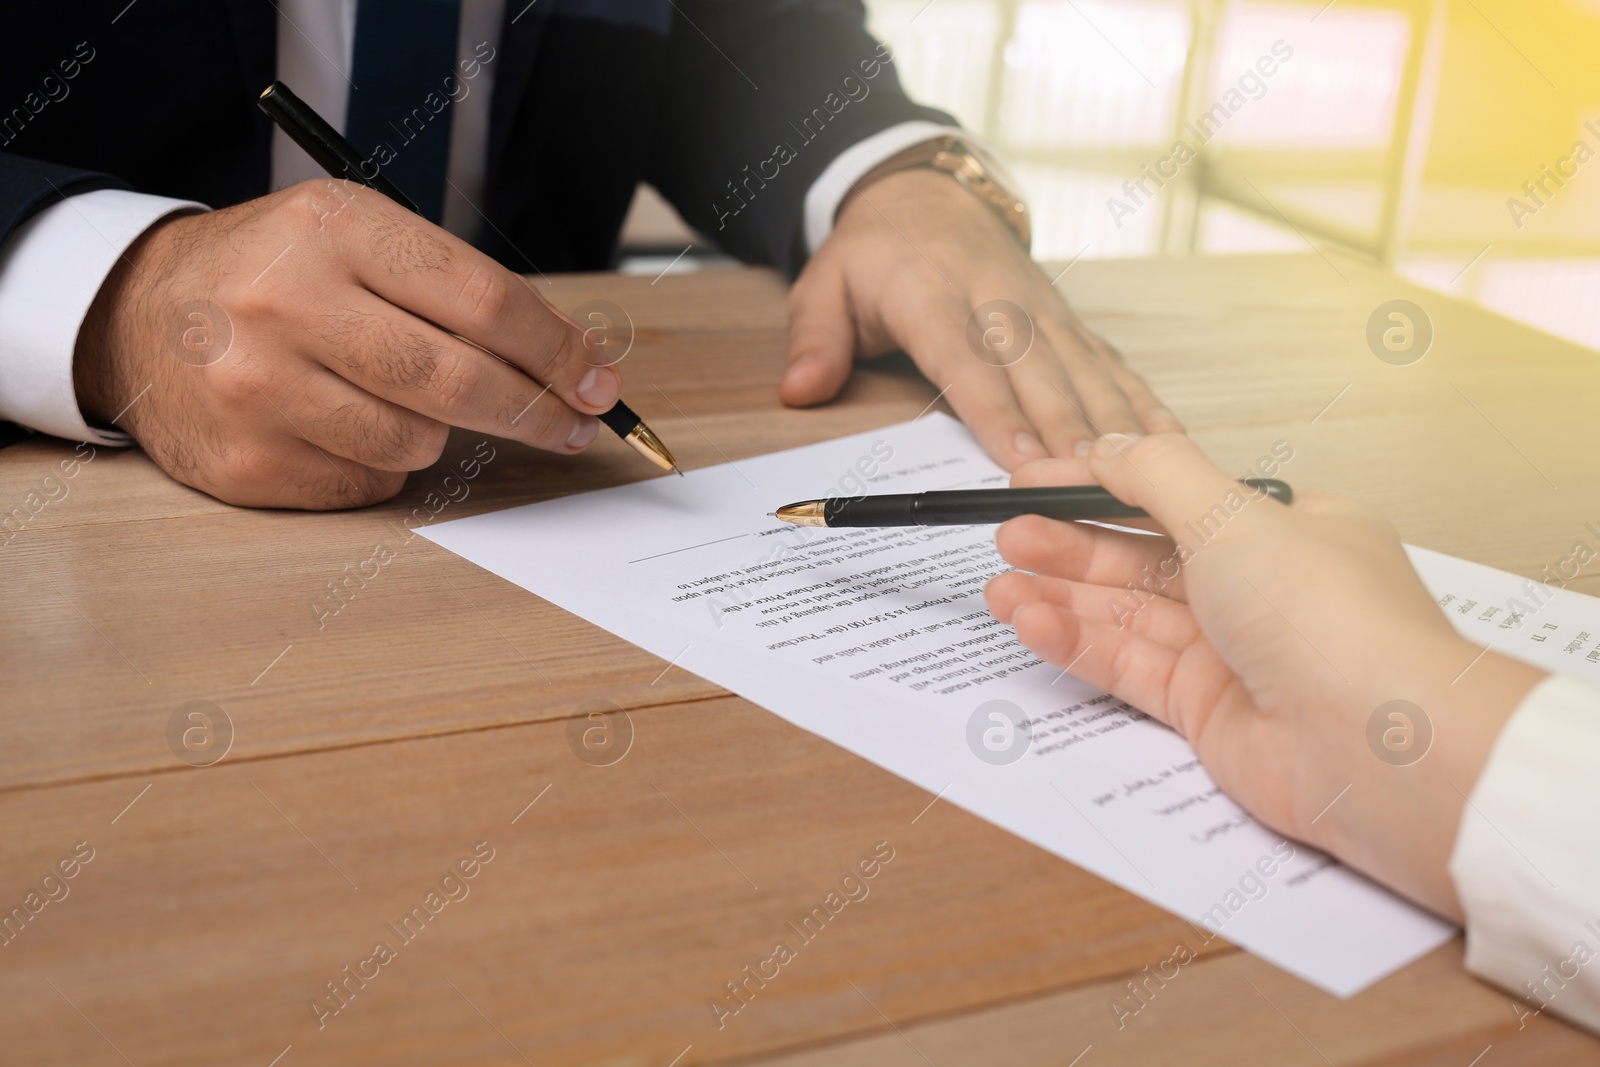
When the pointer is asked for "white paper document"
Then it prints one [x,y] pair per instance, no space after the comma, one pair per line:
[879,641]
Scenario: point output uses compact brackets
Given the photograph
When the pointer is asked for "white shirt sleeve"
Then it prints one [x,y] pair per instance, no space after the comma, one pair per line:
[1527,857]
[50,270]
[829,190]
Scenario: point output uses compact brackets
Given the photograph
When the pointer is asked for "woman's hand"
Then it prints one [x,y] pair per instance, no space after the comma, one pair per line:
[1270,637]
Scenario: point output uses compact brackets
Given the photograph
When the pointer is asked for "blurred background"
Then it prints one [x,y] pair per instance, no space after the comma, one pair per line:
[1447,139]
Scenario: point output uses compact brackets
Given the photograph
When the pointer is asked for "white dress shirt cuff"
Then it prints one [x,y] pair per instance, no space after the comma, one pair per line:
[1526,863]
[834,183]
[50,270]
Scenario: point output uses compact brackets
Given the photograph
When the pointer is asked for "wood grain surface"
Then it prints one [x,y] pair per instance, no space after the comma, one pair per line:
[430,721]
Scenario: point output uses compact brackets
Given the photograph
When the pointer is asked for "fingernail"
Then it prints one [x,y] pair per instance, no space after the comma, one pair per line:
[1112,444]
[1029,445]
[584,432]
[1082,448]
[600,387]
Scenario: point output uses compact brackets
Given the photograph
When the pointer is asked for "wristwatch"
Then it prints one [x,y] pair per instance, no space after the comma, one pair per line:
[955,158]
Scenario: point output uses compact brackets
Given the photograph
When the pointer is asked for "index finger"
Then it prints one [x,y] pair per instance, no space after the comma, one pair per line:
[435,275]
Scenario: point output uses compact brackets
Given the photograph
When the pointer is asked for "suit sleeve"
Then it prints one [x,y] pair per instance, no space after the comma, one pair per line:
[61,232]
[759,97]
[27,186]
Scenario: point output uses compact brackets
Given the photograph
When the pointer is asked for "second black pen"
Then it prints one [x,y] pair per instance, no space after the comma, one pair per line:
[974,506]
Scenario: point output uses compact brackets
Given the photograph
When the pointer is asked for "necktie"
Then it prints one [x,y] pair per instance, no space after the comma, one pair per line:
[400,106]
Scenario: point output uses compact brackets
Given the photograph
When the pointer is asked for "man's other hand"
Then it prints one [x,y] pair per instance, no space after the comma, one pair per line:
[915,263]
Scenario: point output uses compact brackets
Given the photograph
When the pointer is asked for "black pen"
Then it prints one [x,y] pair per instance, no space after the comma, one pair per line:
[339,158]
[972,506]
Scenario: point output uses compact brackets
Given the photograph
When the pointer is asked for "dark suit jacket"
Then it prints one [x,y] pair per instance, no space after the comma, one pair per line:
[730,107]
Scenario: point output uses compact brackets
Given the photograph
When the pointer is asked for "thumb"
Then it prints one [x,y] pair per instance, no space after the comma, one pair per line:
[1167,475]
[822,338]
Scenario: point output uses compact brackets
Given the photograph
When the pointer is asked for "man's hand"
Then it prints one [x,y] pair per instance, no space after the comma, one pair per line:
[910,260]
[1274,641]
[307,349]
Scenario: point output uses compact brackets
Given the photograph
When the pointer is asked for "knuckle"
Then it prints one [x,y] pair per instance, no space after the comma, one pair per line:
[407,443]
[324,490]
[484,299]
[566,357]
[239,382]
[1121,667]
[303,199]
[389,439]
[1145,621]
[405,243]
[264,474]
[342,327]
[410,361]
[320,205]
[349,334]
[545,421]
[385,486]
[454,382]
[347,427]
[304,482]
[365,486]
[258,301]
[430,438]
[245,467]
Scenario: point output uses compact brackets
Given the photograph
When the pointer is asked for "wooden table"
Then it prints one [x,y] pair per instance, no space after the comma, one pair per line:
[374,750]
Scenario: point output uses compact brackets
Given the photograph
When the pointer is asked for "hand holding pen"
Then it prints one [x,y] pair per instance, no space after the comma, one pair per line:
[1271,640]
[309,348]
[341,160]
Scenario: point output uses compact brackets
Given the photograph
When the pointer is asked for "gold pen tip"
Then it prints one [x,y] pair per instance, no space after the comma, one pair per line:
[648,445]
[677,471]
[803,513]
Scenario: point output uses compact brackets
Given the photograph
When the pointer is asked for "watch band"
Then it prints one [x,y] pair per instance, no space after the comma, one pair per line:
[954,157]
